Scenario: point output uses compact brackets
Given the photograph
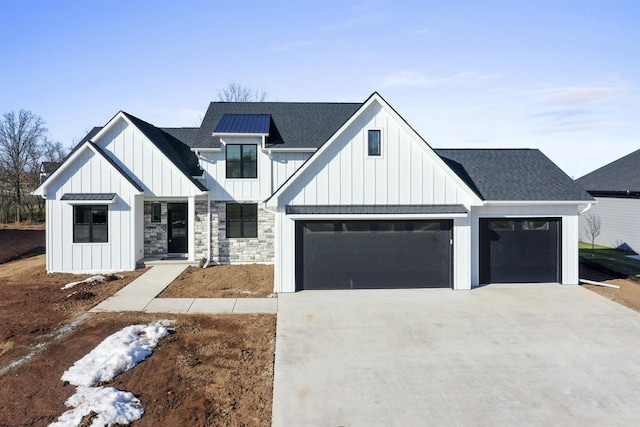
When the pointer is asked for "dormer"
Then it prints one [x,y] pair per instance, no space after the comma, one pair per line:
[233,127]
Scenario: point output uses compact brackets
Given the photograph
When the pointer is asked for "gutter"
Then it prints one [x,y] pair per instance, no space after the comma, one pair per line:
[585,209]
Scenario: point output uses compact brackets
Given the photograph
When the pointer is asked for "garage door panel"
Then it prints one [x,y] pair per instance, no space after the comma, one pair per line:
[520,250]
[369,255]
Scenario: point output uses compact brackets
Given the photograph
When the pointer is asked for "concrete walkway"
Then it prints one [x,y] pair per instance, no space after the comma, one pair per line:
[140,295]
[495,356]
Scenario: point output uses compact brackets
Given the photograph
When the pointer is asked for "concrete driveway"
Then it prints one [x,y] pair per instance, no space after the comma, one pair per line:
[494,356]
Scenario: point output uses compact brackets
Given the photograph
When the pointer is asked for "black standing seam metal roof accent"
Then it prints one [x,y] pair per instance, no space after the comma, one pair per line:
[374,209]
[88,196]
[619,176]
[244,123]
[512,175]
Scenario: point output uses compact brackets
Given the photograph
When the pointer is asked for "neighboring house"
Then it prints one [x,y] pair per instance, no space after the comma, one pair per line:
[336,195]
[616,187]
[46,169]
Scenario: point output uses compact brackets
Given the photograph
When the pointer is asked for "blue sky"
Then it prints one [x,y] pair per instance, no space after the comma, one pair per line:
[560,76]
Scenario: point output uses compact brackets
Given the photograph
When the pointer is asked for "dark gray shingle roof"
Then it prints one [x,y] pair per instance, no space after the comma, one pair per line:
[622,175]
[512,174]
[178,152]
[49,167]
[376,209]
[293,124]
[117,167]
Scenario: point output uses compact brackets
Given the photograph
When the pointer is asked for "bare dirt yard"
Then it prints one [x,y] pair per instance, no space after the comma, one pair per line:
[18,239]
[212,371]
[223,281]
[628,294]
[33,307]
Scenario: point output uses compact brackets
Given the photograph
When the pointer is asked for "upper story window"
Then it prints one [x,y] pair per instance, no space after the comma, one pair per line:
[374,140]
[242,160]
[90,224]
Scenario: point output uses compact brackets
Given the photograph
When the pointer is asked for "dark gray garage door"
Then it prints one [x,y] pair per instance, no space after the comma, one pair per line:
[373,254]
[520,250]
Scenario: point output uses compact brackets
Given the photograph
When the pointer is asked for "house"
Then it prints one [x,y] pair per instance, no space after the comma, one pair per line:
[46,169]
[336,195]
[616,187]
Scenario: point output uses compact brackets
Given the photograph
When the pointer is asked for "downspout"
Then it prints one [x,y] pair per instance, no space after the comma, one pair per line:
[585,209]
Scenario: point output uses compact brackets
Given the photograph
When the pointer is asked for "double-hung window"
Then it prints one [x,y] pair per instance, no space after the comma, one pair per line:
[90,224]
[242,160]
[242,220]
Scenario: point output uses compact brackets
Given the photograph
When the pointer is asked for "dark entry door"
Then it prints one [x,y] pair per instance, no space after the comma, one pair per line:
[373,254]
[520,250]
[177,228]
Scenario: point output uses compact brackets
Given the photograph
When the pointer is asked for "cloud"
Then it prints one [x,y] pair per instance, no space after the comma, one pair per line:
[283,47]
[416,78]
[580,95]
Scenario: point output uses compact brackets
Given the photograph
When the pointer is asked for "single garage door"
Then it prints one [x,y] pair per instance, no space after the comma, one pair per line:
[520,250]
[373,254]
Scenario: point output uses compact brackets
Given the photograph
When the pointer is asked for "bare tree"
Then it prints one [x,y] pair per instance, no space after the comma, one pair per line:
[235,92]
[20,139]
[592,228]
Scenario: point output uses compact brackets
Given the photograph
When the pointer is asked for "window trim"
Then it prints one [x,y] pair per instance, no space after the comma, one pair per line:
[91,224]
[242,220]
[381,151]
[226,160]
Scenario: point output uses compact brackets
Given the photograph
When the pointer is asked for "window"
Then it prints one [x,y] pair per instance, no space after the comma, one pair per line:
[242,161]
[500,225]
[156,212]
[242,220]
[90,224]
[374,143]
[535,225]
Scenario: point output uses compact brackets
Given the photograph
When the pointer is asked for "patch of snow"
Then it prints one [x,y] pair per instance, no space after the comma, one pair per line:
[110,405]
[272,296]
[94,280]
[633,257]
[116,354]
[244,292]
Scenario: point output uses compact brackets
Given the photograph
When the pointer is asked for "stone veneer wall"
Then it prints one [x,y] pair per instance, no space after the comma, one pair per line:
[155,233]
[201,228]
[235,250]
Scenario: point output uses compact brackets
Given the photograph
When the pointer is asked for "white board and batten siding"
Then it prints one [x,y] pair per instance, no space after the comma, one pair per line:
[90,173]
[568,213]
[272,172]
[619,222]
[408,172]
[139,157]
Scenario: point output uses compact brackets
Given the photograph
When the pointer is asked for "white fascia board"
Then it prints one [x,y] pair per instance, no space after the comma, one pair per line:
[375,97]
[110,124]
[535,202]
[40,190]
[90,202]
[87,145]
[204,150]
[375,216]
[239,134]
[292,150]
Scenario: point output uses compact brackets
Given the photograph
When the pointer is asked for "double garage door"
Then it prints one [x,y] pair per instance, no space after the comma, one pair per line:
[373,254]
[418,254]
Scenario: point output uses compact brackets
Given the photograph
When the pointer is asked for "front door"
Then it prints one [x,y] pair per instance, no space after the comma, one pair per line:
[177,228]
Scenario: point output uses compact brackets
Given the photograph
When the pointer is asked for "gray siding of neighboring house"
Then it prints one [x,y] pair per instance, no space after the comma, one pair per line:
[620,223]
